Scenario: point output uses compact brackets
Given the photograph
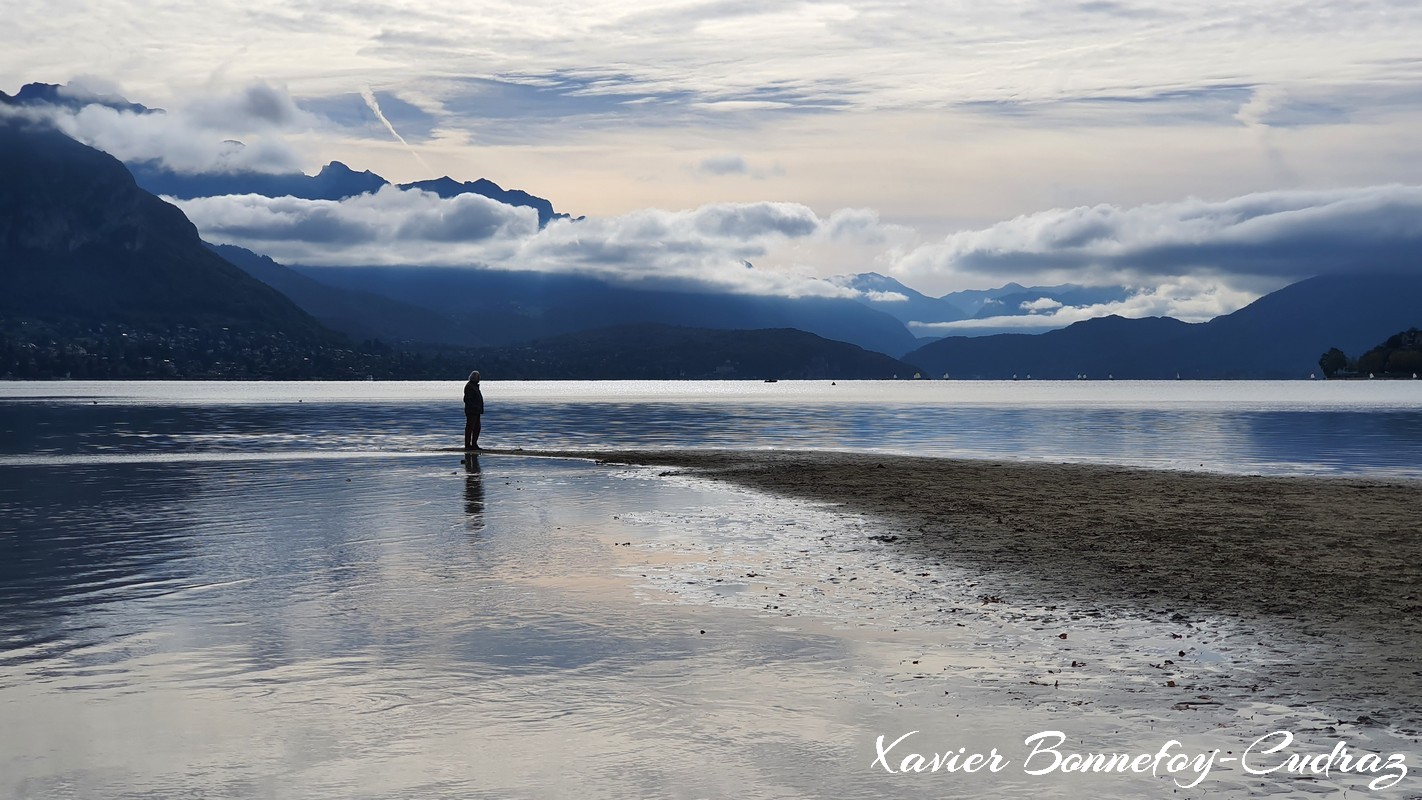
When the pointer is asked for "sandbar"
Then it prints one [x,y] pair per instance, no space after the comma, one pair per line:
[1334,563]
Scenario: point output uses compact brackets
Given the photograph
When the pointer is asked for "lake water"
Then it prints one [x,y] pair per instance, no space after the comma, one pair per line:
[288,591]
[1272,427]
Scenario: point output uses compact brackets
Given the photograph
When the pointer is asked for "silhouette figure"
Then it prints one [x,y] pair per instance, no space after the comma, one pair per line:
[473,410]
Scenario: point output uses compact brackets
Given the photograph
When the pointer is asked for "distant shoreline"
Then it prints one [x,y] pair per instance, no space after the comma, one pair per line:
[1337,560]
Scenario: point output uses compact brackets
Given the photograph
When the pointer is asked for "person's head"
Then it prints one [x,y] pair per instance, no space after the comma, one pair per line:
[474,376]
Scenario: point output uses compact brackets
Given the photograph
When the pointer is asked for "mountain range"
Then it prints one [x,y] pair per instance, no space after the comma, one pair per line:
[497,307]
[335,181]
[103,279]
[1280,335]
[86,252]
[650,351]
[920,312]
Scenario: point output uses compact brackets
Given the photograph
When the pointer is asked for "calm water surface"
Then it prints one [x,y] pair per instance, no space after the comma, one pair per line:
[284,591]
[1283,427]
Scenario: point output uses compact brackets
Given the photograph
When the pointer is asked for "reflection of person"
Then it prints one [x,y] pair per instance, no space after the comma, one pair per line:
[473,494]
[473,409]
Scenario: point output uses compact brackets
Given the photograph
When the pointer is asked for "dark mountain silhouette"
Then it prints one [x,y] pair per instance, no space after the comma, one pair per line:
[65,96]
[448,187]
[1095,347]
[1281,335]
[665,352]
[505,307]
[80,241]
[335,181]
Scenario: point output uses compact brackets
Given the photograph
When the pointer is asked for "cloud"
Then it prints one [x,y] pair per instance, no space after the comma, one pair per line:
[388,226]
[351,115]
[1264,105]
[709,246]
[719,166]
[723,165]
[91,88]
[245,129]
[1281,235]
[885,297]
[862,55]
[258,106]
[1040,304]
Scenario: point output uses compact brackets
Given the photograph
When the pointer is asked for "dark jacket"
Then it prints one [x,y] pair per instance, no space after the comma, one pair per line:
[473,398]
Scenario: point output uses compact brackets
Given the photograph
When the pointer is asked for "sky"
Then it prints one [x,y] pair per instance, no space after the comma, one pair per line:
[1204,153]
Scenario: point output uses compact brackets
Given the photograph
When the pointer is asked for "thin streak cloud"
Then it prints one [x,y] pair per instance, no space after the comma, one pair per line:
[369,97]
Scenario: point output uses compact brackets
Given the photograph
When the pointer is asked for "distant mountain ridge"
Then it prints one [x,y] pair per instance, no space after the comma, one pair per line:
[499,307]
[71,98]
[1280,335]
[652,351]
[1013,300]
[909,306]
[359,315]
[914,307]
[335,181]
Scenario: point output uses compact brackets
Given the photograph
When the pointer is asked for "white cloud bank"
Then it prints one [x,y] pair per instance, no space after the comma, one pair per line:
[1280,235]
[708,246]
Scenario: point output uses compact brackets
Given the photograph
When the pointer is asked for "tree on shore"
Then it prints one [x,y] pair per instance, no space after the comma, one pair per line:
[1398,357]
[1333,362]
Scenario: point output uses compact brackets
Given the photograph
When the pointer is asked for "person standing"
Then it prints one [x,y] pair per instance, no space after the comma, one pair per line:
[473,409]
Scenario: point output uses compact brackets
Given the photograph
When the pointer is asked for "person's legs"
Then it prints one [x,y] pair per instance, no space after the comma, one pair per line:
[471,430]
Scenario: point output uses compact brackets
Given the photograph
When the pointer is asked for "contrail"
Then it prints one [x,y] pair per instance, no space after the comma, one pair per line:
[369,97]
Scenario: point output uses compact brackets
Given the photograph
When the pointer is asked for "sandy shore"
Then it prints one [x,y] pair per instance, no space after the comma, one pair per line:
[1336,563]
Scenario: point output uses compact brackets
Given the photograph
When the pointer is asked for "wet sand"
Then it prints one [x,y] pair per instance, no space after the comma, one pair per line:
[1336,564]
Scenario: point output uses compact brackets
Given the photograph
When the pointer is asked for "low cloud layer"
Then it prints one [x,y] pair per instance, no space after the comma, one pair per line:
[710,246]
[389,226]
[1284,235]
[1193,260]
